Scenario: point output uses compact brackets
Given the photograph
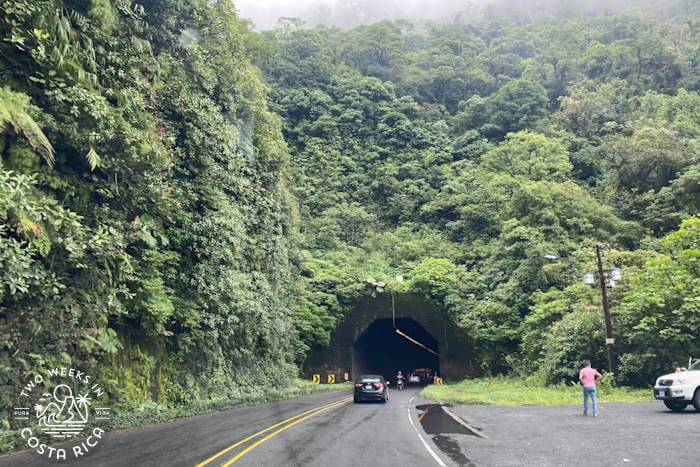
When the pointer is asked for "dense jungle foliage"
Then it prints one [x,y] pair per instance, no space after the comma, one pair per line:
[146,230]
[187,232]
[458,154]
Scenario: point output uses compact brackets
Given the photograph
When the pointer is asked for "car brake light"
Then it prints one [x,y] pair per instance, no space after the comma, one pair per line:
[380,385]
[358,385]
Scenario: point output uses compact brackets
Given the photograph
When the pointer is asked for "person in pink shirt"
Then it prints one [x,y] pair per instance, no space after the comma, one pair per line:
[589,376]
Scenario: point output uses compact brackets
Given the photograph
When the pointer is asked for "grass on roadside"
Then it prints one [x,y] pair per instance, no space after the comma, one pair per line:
[140,414]
[304,387]
[137,414]
[512,391]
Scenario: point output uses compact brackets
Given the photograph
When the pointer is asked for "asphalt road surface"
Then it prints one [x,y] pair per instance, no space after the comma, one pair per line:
[328,429]
[624,434]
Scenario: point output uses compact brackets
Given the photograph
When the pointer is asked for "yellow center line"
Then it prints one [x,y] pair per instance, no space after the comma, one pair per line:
[224,451]
[286,427]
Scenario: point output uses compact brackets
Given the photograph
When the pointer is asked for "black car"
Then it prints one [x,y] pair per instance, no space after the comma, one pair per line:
[371,388]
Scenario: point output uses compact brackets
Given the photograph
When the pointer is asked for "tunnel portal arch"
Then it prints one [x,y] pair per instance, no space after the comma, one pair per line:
[366,341]
[381,350]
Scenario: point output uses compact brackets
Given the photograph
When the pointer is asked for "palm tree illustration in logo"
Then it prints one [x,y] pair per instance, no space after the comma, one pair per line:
[60,414]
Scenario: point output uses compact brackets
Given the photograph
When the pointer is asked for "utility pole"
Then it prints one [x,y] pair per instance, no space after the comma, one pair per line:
[609,341]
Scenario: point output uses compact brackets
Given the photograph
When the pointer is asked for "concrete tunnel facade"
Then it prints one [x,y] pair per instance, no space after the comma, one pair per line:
[366,342]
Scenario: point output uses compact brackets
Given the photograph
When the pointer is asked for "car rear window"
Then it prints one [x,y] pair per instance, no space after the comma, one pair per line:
[370,379]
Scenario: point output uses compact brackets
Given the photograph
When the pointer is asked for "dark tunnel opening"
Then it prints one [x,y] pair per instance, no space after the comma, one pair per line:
[381,350]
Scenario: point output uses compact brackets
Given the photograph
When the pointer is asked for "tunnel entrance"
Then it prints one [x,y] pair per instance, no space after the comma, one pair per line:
[381,350]
[365,342]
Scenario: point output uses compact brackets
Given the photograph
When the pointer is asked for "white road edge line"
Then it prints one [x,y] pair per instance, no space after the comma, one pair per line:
[430,450]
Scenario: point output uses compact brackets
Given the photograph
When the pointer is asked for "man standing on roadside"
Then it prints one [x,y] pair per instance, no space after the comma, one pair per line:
[589,376]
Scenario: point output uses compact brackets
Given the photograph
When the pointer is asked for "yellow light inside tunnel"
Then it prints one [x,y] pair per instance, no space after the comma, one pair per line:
[402,334]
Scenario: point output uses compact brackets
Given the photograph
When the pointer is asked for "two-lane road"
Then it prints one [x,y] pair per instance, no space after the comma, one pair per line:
[351,435]
[321,429]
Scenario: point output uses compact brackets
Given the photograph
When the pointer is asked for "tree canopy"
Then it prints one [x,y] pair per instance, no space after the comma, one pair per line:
[464,152]
[189,206]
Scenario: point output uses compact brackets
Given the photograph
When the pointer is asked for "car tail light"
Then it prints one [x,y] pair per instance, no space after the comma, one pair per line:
[358,385]
[380,385]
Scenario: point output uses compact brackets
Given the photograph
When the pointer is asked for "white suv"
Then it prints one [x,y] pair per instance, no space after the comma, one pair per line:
[677,390]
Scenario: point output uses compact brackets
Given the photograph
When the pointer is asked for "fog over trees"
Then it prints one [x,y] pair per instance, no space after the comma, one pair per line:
[345,14]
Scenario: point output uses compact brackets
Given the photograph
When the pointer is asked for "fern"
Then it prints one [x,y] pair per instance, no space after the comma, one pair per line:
[93,158]
[13,111]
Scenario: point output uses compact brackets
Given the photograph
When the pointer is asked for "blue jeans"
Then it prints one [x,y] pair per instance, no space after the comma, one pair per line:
[586,393]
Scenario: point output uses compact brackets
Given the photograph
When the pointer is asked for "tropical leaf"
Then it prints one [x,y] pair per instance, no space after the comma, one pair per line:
[13,110]
[93,158]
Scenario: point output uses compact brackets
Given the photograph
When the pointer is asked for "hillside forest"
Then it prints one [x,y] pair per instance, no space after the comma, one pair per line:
[188,206]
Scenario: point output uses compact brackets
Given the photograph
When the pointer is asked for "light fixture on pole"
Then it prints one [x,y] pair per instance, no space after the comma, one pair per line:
[607,279]
[615,274]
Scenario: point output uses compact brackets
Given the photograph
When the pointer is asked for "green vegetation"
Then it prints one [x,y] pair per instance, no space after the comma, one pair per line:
[458,154]
[151,243]
[187,206]
[136,414]
[513,392]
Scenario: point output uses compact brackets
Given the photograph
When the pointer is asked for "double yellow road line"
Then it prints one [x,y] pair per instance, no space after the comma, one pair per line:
[281,426]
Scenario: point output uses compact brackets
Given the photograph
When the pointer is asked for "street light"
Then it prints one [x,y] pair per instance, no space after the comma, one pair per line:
[615,274]
[606,278]
[378,287]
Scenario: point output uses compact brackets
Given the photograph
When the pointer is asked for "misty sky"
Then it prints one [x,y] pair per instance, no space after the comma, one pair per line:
[282,2]
[347,13]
